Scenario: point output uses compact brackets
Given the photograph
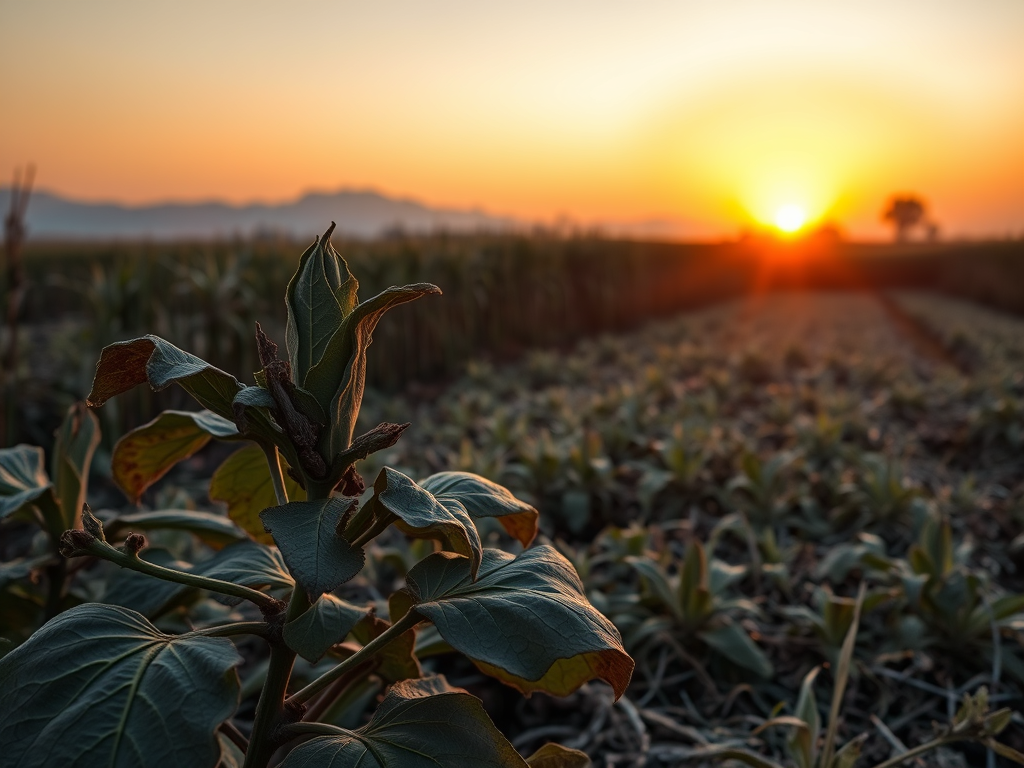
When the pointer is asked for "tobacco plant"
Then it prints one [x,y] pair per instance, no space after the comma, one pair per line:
[100,684]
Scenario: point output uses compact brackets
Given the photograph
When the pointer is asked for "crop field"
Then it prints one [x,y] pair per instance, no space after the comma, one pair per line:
[783,528]
[794,446]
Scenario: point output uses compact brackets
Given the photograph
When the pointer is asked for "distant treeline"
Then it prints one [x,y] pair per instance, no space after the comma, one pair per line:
[503,293]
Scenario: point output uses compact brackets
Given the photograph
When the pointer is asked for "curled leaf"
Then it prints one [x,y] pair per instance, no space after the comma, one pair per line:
[483,498]
[126,364]
[420,514]
[525,620]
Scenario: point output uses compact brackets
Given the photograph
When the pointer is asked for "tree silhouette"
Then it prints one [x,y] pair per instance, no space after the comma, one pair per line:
[904,212]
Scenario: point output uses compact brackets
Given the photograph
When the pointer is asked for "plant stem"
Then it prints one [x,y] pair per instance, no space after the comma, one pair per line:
[271,704]
[276,475]
[397,629]
[262,743]
[267,604]
[329,696]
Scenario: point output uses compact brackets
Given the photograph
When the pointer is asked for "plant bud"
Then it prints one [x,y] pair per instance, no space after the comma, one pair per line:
[91,523]
[73,543]
[134,543]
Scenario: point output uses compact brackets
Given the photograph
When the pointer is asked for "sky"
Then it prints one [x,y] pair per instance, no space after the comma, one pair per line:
[710,116]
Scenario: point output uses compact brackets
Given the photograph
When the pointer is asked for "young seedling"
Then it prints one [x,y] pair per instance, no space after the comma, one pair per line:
[101,685]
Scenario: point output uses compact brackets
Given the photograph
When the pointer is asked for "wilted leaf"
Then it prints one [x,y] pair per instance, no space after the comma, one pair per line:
[420,724]
[525,620]
[243,482]
[147,453]
[308,533]
[100,685]
[556,756]
[127,364]
[377,439]
[77,438]
[214,530]
[420,514]
[327,622]
[482,498]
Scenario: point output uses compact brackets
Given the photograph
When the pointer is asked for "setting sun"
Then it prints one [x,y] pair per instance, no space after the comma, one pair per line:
[790,218]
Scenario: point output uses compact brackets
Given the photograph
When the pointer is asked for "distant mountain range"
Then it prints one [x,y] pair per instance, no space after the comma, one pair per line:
[358,213]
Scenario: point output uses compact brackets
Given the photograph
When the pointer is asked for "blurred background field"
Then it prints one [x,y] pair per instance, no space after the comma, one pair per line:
[504,294]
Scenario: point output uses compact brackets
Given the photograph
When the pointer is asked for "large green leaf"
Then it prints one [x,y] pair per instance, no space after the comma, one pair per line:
[246,563]
[420,724]
[76,442]
[308,533]
[23,478]
[482,498]
[338,379]
[100,685]
[419,513]
[326,623]
[320,294]
[147,453]
[525,620]
[214,530]
[126,364]
[243,482]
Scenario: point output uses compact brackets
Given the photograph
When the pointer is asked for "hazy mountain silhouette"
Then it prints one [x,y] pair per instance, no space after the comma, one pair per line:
[358,213]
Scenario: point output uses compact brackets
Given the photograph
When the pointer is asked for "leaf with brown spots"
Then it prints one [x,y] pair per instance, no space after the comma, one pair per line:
[147,453]
[126,364]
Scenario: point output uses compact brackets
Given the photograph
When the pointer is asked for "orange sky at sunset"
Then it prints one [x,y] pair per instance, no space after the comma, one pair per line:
[710,114]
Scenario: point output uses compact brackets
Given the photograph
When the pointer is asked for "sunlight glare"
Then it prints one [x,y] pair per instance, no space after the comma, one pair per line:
[789,218]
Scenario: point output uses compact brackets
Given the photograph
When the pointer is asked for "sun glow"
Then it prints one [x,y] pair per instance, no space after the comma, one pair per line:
[790,218]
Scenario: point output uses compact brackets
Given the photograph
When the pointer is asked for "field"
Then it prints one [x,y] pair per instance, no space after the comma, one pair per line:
[802,509]
[809,442]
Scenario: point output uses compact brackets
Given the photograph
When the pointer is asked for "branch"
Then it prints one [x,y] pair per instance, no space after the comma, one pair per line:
[77,542]
[276,476]
[369,650]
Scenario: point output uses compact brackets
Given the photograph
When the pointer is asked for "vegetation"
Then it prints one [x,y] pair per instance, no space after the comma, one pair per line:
[798,513]
[504,295]
[125,692]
